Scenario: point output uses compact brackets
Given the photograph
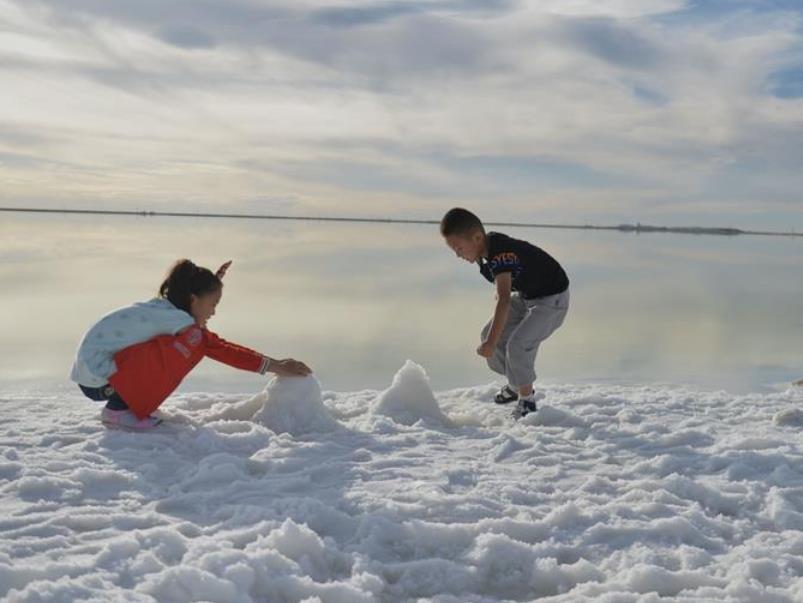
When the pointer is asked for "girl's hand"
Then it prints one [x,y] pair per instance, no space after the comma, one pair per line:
[221,272]
[288,367]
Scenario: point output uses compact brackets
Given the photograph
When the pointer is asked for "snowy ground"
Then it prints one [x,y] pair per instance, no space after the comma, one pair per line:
[611,494]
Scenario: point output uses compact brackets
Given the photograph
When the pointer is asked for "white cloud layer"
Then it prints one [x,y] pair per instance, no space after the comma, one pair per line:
[403,108]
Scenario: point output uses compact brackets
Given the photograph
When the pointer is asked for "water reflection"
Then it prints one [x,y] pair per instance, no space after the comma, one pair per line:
[356,300]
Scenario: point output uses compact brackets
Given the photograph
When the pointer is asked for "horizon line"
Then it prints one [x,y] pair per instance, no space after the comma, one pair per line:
[637,228]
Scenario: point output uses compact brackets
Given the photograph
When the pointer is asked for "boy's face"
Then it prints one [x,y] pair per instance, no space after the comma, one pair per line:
[468,247]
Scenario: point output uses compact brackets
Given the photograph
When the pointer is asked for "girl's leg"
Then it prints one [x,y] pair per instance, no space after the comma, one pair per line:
[106,392]
[98,394]
[127,419]
[115,402]
[116,412]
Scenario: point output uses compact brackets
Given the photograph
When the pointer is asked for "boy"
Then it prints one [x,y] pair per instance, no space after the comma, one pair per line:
[532,298]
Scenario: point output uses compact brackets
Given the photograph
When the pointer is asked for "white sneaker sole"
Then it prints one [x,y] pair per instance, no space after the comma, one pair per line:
[124,427]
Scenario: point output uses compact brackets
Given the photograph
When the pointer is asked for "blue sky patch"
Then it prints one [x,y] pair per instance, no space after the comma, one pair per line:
[787,83]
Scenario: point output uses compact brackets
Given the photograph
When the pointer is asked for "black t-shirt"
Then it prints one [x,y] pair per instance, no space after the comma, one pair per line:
[534,272]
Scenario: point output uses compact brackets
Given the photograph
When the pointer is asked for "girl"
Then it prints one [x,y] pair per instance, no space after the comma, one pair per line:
[136,356]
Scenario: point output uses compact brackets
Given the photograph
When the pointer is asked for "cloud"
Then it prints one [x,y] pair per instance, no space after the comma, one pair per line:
[20,160]
[186,37]
[371,14]
[623,9]
[354,16]
[329,104]
[613,41]
[419,45]
[366,40]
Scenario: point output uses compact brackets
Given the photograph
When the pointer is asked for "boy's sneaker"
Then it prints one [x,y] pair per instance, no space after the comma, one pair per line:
[126,419]
[506,395]
[524,408]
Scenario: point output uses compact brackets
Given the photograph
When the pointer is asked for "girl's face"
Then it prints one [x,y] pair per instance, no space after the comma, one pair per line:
[202,307]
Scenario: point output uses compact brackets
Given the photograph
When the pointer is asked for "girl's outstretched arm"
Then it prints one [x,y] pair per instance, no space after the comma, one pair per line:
[247,359]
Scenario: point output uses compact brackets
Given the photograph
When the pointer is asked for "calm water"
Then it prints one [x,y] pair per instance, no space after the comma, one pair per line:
[356,300]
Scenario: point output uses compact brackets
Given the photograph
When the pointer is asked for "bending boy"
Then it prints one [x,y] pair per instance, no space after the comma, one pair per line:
[532,298]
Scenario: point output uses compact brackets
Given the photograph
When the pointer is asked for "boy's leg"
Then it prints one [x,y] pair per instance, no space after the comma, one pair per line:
[541,320]
[518,311]
[496,364]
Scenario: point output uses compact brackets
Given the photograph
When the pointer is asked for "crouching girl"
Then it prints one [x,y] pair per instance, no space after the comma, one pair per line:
[136,356]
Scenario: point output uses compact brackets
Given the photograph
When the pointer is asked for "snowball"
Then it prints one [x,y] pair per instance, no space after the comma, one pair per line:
[792,417]
[553,417]
[294,405]
[409,398]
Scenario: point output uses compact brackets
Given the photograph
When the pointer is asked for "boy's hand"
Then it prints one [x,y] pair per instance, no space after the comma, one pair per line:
[288,367]
[486,349]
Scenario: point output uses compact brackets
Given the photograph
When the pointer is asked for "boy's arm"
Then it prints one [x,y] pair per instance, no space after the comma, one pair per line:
[504,285]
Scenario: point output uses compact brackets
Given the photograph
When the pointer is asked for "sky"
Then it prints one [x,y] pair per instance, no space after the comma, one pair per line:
[670,112]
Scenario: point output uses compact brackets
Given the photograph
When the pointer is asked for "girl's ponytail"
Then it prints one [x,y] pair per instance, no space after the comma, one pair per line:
[186,279]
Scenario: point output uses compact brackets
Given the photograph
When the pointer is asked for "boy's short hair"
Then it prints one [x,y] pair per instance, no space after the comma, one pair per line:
[459,221]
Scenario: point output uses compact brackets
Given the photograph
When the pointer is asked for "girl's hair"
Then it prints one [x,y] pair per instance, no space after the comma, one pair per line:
[185,279]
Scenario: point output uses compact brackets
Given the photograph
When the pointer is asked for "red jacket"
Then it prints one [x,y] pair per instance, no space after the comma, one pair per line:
[150,371]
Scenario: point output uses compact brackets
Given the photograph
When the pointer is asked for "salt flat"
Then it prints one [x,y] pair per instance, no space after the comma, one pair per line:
[609,493]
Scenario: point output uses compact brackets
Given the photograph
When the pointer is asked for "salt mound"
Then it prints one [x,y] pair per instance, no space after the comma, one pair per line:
[243,410]
[791,417]
[409,398]
[554,417]
[294,405]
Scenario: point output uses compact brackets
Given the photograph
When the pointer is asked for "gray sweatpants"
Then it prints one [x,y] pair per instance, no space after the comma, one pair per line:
[529,322]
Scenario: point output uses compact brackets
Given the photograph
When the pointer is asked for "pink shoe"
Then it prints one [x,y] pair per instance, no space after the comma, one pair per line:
[127,420]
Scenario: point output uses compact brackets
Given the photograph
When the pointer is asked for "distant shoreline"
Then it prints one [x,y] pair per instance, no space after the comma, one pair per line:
[637,228]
